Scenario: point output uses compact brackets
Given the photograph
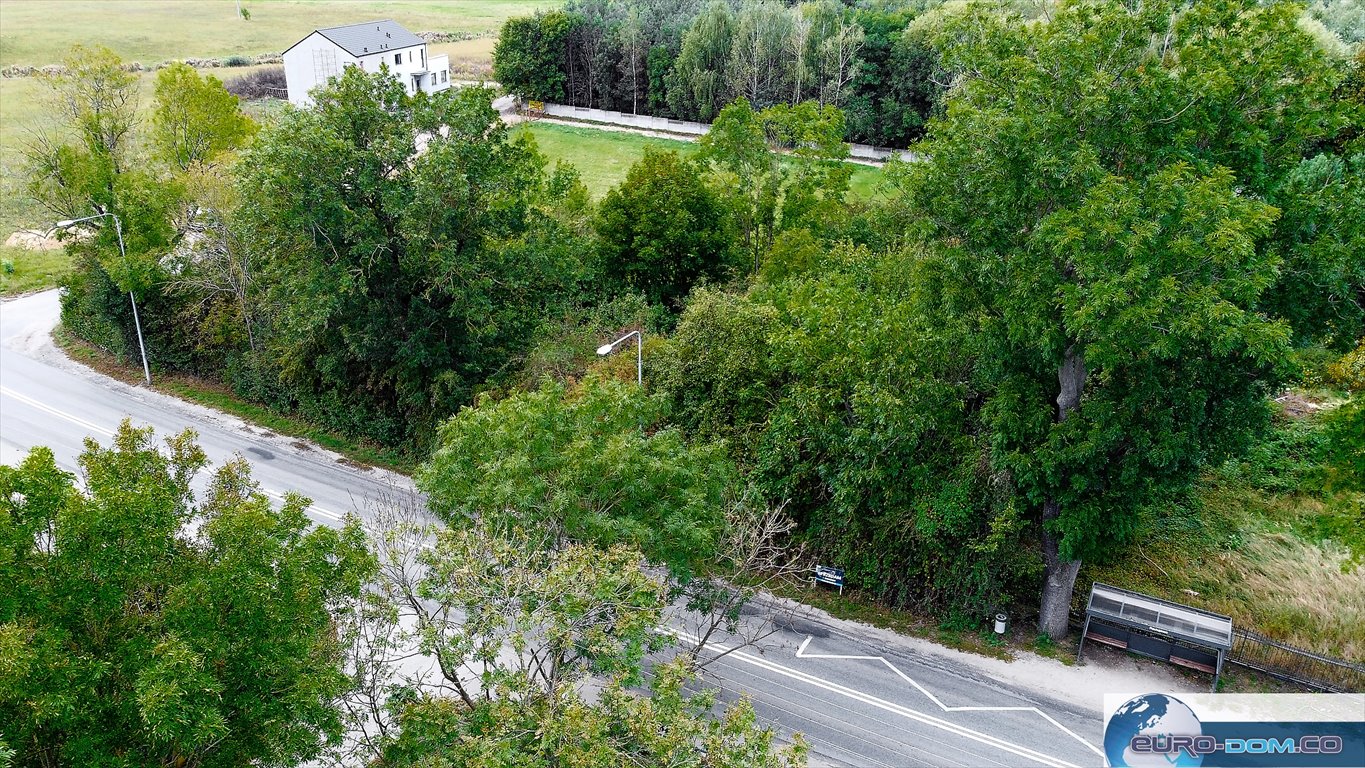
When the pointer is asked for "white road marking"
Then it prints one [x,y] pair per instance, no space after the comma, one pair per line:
[311,508]
[856,695]
[78,421]
[801,654]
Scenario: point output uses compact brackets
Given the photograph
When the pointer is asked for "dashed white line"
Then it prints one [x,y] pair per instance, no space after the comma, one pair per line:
[78,421]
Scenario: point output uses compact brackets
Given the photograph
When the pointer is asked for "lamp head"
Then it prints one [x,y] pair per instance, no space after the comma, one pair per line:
[605,349]
[64,223]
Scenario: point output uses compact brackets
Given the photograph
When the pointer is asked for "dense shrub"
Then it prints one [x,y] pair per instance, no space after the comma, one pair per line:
[265,83]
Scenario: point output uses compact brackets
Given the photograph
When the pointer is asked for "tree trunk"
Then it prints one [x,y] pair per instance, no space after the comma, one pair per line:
[1059,581]
[1060,577]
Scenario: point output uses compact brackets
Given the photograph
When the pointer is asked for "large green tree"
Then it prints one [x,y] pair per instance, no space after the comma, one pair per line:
[778,168]
[398,280]
[195,118]
[527,59]
[1097,191]
[518,631]
[593,464]
[138,628]
[662,230]
[89,165]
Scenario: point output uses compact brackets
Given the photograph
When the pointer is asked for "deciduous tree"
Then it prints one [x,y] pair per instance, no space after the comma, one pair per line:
[662,230]
[1097,187]
[140,628]
[195,119]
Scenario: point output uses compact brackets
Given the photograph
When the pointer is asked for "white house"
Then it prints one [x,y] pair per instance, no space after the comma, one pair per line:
[326,52]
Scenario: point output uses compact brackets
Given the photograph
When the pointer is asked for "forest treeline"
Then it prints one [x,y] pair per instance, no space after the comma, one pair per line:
[686,59]
[1128,225]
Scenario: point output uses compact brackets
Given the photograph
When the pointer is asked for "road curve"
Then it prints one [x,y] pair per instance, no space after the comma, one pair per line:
[859,699]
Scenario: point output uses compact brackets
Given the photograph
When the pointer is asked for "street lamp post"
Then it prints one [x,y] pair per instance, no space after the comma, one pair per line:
[137,322]
[606,349]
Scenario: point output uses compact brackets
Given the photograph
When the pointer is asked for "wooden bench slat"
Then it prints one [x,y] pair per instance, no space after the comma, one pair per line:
[1192,664]
[1106,640]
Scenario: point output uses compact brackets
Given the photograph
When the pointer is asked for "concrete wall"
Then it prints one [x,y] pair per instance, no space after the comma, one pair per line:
[687,128]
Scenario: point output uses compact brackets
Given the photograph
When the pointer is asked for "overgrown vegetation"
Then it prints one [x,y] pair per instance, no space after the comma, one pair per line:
[1047,339]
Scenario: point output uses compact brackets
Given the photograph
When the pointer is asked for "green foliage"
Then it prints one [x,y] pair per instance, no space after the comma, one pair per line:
[526,58]
[590,465]
[769,192]
[196,119]
[139,628]
[696,85]
[873,446]
[396,282]
[718,371]
[1346,445]
[1322,236]
[1107,255]
[621,730]
[662,230]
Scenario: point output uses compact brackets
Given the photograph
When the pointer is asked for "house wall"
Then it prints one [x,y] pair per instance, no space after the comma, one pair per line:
[315,59]
[411,62]
[308,65]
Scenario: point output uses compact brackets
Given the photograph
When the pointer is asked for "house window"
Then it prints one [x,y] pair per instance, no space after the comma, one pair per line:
[398,58]
[444,76]
[409,57]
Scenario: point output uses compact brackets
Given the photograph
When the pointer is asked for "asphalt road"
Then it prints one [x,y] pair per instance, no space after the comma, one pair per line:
[857,699]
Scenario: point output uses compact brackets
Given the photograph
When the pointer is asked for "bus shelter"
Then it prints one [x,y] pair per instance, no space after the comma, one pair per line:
[1156,628]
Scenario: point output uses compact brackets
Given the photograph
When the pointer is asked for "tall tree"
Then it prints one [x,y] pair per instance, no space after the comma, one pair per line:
[1097,186]
[769,191]
[634,45]
[528,55]
[663,229]
[398,281]
[758,69]
[195,118]
[138,628]
[697,82]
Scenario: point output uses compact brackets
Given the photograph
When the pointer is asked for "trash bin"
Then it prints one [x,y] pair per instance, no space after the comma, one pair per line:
[1001,621]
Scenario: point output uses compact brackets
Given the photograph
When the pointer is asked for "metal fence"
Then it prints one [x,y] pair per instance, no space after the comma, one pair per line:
[1295,665]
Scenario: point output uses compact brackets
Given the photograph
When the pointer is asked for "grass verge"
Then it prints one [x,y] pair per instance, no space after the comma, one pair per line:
[23,271]
[220,398]
[603,156]
[1255,542]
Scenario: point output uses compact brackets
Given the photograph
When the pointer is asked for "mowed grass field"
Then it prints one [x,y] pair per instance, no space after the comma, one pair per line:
[603,157]
[38,32]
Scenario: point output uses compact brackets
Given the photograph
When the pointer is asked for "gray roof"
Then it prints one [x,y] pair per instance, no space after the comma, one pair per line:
[370,37]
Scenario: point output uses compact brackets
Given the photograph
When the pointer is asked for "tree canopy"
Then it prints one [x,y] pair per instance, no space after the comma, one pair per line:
[398,280]
[140,628]
[662,230]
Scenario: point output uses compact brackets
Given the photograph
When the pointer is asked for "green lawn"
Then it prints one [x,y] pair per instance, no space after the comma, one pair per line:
[603,157]
[22,270]
[38,32]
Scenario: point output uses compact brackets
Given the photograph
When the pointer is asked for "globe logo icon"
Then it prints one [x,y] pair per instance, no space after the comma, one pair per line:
[1152,714]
